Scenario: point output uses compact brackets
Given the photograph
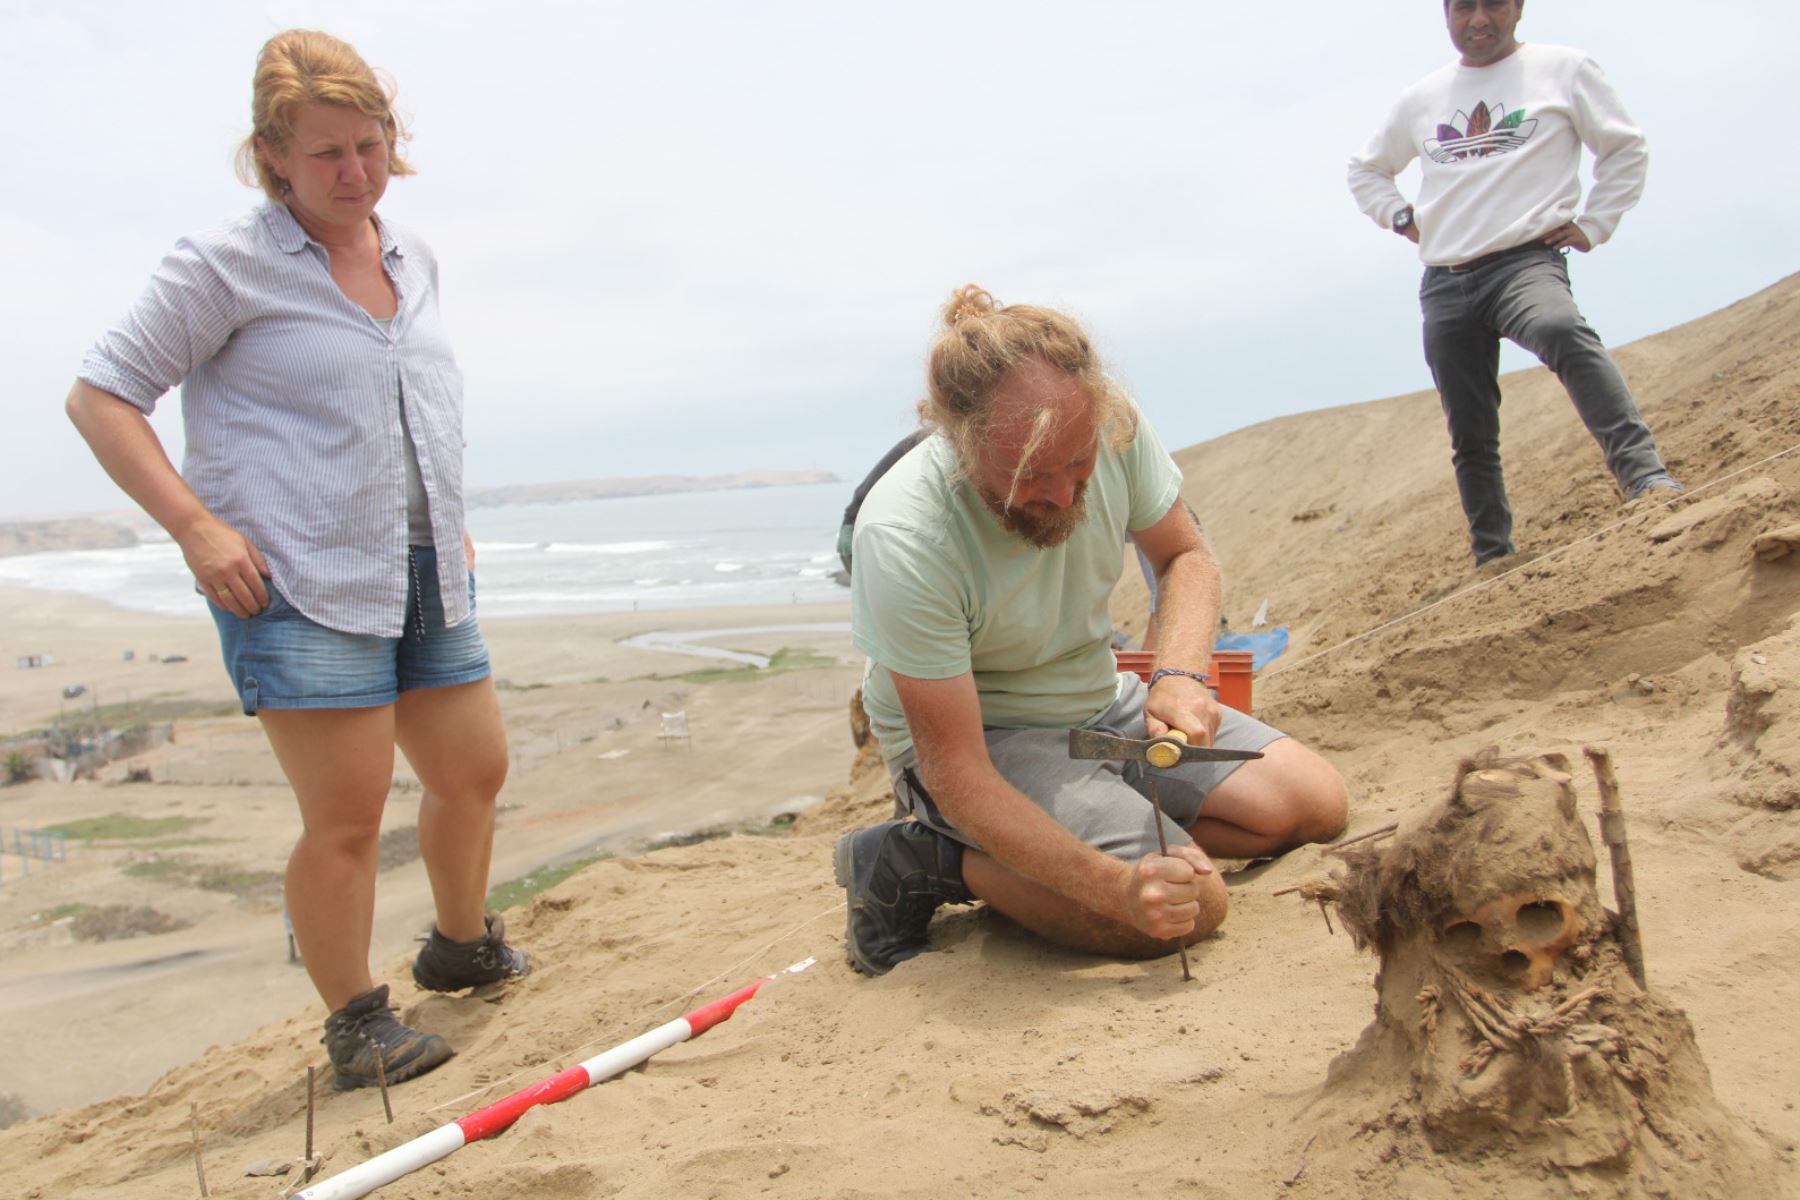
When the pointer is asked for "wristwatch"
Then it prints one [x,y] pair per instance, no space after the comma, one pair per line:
[1403,219]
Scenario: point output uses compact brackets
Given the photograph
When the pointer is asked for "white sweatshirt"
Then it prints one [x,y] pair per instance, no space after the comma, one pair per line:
[1500,148]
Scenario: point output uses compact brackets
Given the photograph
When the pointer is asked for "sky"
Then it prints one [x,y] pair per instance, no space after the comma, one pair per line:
[698,237]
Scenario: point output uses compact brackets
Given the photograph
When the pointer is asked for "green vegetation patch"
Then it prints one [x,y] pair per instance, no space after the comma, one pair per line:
[50,916]
[520,890]
[242,882]
[785,659]
[178,869]
[114,922]
[239,881]
[780,826]
[119,827]
[153,710]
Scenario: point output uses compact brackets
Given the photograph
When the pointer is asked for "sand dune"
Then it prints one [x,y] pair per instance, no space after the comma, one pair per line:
[998,1066]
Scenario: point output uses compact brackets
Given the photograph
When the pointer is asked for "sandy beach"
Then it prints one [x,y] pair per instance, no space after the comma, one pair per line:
[1667,632]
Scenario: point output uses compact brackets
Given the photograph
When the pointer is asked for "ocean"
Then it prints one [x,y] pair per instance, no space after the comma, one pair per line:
[753,546]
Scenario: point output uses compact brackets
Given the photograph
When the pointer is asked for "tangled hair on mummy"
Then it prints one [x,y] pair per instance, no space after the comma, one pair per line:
[980,342]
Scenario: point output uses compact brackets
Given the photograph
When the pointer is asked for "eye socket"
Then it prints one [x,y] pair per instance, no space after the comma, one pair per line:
[1463,935]
[1540,920]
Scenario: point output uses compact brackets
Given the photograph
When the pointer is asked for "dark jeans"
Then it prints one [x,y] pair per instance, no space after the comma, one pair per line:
[1524,297]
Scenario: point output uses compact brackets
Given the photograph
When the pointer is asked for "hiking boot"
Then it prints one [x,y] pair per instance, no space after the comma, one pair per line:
[447,966]
[895,874]
[366,1027]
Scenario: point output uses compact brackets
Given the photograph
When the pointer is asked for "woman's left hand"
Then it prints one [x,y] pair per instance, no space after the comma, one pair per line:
[227,565]
[469,549]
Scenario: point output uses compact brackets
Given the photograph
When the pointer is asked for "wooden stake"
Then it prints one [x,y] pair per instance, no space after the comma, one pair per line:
[1162,841]
[381,1078]
[1362,837]
[1612,832]
[1293,1176]
[194,1128]
[310,1071]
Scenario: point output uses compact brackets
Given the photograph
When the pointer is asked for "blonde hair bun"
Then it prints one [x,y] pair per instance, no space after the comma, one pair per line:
[981,341]
[968,303]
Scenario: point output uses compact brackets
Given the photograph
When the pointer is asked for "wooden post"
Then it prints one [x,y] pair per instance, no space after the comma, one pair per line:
[1162,841]
[1612,832]
[309,1166]
[194,1128]
[381,1078]
[1361,837]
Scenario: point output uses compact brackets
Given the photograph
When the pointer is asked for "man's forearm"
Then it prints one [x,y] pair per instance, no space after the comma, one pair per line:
[1376,193]
[1373,171]
[1189,597]
[1621,156]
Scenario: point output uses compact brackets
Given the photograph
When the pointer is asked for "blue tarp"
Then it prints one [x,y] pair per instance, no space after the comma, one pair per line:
[1266,646]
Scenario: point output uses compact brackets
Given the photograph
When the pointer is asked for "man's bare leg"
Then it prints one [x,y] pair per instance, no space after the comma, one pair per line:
[1287,798]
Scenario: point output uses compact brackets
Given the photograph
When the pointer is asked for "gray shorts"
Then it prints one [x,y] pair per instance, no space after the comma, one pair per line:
[1105,804]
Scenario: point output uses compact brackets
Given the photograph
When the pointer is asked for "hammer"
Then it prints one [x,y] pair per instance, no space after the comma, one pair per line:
[1157,754]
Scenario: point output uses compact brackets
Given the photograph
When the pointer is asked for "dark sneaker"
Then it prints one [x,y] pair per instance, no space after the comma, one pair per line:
[447,966]
[1512,560]
[1651,485]
[896,874]
[366,1027]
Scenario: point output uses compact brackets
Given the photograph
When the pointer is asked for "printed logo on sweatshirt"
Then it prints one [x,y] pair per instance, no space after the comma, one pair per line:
[1484,133]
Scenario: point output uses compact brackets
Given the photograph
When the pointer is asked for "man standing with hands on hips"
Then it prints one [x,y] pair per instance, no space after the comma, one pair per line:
[1498,134]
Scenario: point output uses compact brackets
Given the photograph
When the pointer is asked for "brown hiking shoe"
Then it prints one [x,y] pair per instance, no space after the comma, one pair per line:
[366,1027]
[447,966]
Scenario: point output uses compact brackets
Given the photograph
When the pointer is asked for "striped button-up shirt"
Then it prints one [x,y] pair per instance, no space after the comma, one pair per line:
[291,401]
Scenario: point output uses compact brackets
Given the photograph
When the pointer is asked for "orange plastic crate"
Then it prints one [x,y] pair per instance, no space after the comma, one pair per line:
[1229,673]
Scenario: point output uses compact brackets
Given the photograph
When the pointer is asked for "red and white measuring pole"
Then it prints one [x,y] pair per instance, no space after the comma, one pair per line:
[486,1122]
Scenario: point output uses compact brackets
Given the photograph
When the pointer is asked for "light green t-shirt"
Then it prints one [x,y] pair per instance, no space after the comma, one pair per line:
[940,587]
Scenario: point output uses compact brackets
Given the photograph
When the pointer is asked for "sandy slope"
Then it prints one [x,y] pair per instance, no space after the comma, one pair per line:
[570,693]
[999,1066]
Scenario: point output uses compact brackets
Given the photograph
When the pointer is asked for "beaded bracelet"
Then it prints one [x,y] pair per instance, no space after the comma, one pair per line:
[1161,671]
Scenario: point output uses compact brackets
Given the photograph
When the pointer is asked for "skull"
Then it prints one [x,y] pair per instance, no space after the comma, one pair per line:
[1513,939]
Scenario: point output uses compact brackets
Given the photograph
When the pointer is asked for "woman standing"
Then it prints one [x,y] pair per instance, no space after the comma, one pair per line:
[320,510]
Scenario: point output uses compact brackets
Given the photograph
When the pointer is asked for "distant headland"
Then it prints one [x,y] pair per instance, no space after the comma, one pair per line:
[568,491]
[111,531]
[67,533]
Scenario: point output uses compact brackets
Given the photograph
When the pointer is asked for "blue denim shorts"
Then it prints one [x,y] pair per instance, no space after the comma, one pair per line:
[280,658]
